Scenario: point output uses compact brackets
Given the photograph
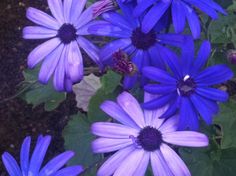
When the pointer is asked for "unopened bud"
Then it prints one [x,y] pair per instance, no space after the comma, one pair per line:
[122,63]
[103,6]
[231,56]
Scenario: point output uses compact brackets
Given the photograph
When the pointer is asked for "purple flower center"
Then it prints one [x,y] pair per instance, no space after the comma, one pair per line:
[150,138]
[186,86]
[67,33]
[141,40]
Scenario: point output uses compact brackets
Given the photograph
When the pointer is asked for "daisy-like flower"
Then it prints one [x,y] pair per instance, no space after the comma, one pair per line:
[61,54]
[31,166]
[141,137]
[142,48]
[182,10]
[188,87]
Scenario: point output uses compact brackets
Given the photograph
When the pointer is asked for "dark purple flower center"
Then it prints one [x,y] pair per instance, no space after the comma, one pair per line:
[67,33]
[150,138]
[186,86]
[141,40]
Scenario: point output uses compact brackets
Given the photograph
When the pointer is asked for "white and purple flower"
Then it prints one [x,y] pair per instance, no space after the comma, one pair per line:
[141,137]
[61,54]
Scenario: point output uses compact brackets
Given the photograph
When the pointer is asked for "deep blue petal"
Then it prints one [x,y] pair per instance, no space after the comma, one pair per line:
[24,155]
[173,107]
[70,171]
[158,75]
[178,16]
[213,94]
[158,102]
[159,88]
[11,165]
[214,75]
[156,57]
[142,7]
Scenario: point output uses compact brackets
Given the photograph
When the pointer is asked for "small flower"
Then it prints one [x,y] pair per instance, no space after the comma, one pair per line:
[30,166]
[141,137]
[188,87]
[61,54]
[182,10]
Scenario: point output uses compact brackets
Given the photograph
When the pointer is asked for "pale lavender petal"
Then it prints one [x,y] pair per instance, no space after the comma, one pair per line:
[75,62]
[159,165]
[56,9]
[116,112]
[59,75]
[49,64]
[76,9]
[186,138]
[131,106]
[110,165]
[170,125]
[41,51]
[105,145]
[56,163]
[113,130]
[68,84]
[67,10]
[41,18]
[131,163]
[90,49]
[175,163]
[148,114]
[37,32]
[142,167]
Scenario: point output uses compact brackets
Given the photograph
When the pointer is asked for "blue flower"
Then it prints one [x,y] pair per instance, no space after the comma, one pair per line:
[31,166]
[182,10]
[141,137]
[61,54]
[143,49]
[188,87]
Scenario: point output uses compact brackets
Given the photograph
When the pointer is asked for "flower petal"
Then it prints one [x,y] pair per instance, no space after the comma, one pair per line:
[56,163]
[113,162]
[69,171]
[213,94]
[142,167]
[38,155]
[76,9]
[106,145]
[186,138]
[24,155]
[49,64]
[41,18]
[41,51]
[131,106]
[113,130]
[178,16]
[56,9]
[175,163]
[131,163]
[116,112]
[159,165]
[11,165]
[67,4]
[37,32]
[169,125]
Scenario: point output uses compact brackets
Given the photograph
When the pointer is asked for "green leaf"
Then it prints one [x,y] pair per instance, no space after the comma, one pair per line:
[110,81]
[78,138]
[108,91]
[38,93]
[227,121]
[205,162]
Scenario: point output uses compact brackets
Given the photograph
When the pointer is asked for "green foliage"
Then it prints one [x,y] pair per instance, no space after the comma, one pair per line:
[227,121]
[36,93]
[205,162]
[110,82]
[78,138]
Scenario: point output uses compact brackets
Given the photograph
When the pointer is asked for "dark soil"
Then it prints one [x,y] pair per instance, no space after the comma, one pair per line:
[17,118]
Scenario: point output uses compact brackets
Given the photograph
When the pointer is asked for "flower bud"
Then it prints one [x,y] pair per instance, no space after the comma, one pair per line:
[231,56]
[103,6]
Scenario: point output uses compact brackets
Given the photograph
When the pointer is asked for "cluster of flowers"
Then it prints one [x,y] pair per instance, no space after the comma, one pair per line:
[178,90]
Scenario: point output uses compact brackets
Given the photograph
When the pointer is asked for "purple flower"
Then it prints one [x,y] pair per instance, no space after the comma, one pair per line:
[30,166]
[61,54]
[141,136]
[182,10]
[143,49]
[188,87]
